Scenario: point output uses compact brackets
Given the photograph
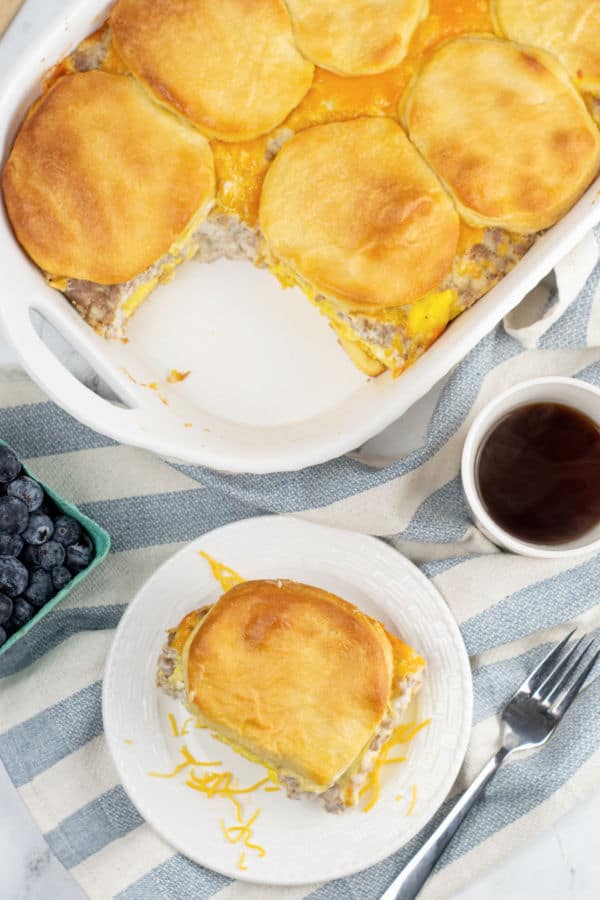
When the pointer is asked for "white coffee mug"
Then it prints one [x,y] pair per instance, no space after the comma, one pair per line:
[554,389]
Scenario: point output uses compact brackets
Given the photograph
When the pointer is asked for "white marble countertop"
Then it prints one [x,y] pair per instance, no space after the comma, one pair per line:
[561,864]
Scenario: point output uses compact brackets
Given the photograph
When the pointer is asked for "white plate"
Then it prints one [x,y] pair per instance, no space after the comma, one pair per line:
[269,390]
[304,843]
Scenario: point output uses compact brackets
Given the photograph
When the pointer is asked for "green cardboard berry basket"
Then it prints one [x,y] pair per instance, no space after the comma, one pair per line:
[100,540]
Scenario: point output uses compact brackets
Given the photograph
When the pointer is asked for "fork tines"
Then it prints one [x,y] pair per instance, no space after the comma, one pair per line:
[558,678]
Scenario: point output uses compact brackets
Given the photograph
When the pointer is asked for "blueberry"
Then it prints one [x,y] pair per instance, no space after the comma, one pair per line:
[9,465]
[27,490]
[22,612]
[49,508]
[60,577]
[14,515]
[39,530]
[14,577]
[79,555]
[51,554]
[6,608]
[30,556]
[66,530]
[40,587]
[10,544]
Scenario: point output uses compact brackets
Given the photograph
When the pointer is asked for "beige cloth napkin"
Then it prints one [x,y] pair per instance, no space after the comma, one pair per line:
[8,9]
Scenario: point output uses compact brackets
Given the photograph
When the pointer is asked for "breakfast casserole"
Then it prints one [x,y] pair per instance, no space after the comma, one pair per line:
[296,679]
[448,135]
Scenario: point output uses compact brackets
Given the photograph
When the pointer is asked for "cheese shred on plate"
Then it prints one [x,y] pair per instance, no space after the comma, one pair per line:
[226,577]
[189,760]
[413,801]
[402,735]
[219,784]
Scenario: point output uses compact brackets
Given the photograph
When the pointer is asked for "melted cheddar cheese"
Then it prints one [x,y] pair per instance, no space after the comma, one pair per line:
[67,66]
[241,167]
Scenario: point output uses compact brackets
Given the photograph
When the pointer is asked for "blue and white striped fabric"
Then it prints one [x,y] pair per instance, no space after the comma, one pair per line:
[51,739]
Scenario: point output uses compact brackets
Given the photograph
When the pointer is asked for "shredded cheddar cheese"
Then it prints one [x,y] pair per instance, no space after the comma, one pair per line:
[243,832]
[242,751]
[403,734]
[179,732]
[151,385]
[138,295]
[259,849]
[413,800]
[372,784]
[226,577]
[215,784]
[221,784]
[189,760]
[175,376]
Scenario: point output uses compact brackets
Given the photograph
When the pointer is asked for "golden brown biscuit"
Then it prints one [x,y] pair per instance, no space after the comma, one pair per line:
[570,29]
[294,678]
[101,181]
[230,66]
[505,130]
[291,674]
[357,37]
[354,210]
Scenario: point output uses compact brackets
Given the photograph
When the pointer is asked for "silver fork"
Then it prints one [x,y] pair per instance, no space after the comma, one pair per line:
[529,719]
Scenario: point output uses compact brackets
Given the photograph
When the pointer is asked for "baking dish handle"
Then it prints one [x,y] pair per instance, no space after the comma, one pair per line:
[57,381]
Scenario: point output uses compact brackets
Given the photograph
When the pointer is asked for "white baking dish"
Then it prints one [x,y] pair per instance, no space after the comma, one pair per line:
[268,390]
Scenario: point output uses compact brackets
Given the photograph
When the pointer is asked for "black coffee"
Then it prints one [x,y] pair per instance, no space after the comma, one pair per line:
[538,473]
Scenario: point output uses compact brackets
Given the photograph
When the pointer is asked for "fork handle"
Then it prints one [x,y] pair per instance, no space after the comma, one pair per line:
[414,875]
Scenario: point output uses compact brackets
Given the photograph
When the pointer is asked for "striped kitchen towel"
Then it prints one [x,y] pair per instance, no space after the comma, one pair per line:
[508,607]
